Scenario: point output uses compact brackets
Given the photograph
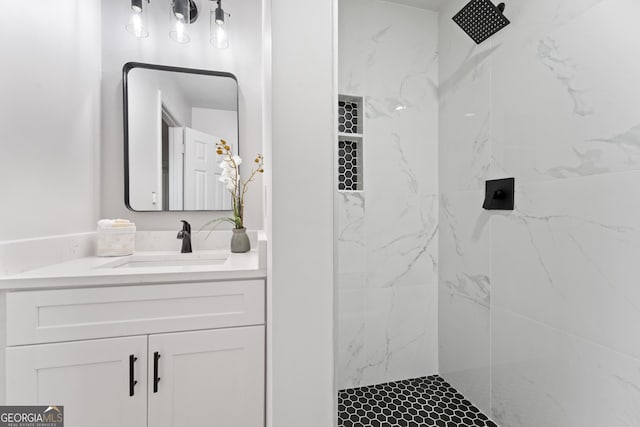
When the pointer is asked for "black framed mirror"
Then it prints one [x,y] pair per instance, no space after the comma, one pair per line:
[173,118]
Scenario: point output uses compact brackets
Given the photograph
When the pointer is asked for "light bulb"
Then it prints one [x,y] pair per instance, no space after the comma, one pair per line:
[137,24]
[221,39]
[180,30]
[136,5]
[179,18]
[219,27]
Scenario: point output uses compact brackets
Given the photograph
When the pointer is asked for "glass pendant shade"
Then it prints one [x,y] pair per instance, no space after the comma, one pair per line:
[137,24]
[219,27]
[179,20]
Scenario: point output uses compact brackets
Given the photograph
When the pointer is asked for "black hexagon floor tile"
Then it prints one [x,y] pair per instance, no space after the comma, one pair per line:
[427,401]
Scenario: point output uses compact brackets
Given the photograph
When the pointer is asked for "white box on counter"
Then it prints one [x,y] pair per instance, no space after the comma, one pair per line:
[115,238]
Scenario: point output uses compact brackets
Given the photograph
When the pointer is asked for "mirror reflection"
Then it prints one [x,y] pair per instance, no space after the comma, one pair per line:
[173,119]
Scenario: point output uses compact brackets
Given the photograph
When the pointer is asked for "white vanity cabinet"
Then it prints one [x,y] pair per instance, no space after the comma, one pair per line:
[207,378]
[155,355]
[90,378]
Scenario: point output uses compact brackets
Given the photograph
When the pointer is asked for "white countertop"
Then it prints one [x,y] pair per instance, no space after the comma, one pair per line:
[98,271]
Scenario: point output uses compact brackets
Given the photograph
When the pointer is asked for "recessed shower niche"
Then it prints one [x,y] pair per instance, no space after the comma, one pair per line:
[350,140]
[349,114]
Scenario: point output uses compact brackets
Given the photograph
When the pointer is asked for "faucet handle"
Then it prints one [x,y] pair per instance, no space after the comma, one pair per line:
[185,235]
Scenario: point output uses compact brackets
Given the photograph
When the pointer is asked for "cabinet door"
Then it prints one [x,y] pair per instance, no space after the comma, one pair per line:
[90,378]
[207,378]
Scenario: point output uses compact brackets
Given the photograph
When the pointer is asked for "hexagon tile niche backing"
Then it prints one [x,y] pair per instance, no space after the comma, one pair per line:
[348,160]
[427,401]
[350,143]
[348,115]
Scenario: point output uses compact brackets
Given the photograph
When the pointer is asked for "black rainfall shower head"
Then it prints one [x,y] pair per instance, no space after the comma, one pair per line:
[481,19]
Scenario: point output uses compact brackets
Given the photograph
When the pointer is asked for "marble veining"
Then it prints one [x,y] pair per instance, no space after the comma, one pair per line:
[464,245]
[535,307]
[543,376]
[544,297]
[576,272]
[388,233]
[399,333]
[565,11]
[469,67]
[352,222]
[564,70]
[407,254]
[567,120]
[628,142]
[476,288]
[465,294]
[588,164]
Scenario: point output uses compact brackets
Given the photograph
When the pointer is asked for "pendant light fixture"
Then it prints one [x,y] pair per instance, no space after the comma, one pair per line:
[178,21]
[182,13]
[219,25]
[137,24]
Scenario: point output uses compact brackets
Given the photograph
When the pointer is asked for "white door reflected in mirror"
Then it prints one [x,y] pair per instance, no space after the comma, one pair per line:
[203,189]
[174,117]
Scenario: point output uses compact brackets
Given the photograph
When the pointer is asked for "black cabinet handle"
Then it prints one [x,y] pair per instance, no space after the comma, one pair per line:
[132,381]
[156,378]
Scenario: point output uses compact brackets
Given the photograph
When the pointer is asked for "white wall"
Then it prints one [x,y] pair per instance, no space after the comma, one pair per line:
[220,123]
[50,118]
[174,98]
[243,59]
[302,233]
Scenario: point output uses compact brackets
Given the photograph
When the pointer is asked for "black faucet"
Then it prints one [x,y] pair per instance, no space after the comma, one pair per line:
[185,235]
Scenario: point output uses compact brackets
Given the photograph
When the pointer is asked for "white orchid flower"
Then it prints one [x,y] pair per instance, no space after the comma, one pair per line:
[230,177]
[228,173]
[229,164]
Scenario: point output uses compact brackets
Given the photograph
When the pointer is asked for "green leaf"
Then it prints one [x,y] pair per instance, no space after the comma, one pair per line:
[215,223]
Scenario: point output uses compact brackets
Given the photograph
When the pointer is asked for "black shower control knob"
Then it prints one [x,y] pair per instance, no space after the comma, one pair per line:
[499,194]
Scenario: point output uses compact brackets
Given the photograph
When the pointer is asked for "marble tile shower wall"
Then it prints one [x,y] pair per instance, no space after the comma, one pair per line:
[539,308]
[388,232]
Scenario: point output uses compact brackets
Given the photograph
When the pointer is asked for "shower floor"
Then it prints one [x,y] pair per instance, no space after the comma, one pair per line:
[427,401]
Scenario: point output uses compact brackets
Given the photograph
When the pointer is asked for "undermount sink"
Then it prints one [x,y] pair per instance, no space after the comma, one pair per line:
[168,260]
